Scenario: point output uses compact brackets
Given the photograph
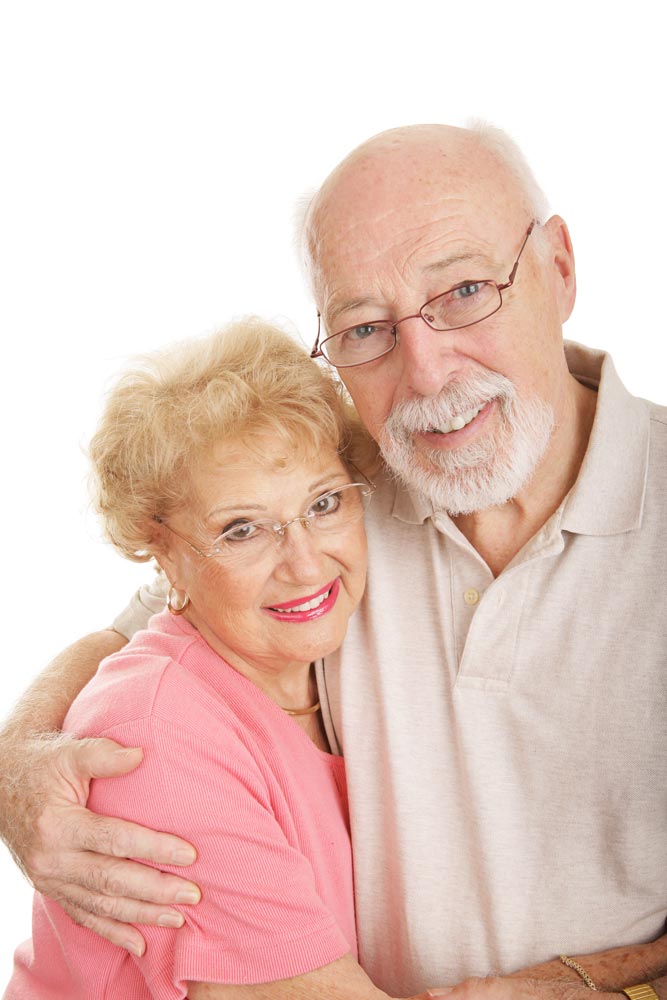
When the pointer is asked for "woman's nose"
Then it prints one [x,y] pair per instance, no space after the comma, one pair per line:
[300,549]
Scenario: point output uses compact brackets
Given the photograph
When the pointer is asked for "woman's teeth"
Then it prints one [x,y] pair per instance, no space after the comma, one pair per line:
[457,423]
[306,606]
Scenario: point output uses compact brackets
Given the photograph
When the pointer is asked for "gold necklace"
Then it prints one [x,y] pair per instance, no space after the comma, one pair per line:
[302,711]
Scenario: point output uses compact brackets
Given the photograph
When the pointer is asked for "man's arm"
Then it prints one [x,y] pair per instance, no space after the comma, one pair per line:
[343,979]
[67,852]
[496,988]
[611,971]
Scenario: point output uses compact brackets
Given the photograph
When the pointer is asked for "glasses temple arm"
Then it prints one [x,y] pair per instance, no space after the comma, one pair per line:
[316,352]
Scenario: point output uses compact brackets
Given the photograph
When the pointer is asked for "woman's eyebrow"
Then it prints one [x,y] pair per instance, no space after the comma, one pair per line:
[234,508]
[327,479]
[330,477]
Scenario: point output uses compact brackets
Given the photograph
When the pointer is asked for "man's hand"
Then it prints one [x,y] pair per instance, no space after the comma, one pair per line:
[79,858]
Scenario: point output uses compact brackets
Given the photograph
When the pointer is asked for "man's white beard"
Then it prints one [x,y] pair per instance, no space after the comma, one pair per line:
[473,477]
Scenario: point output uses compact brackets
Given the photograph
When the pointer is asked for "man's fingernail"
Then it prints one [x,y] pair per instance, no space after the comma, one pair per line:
[184,856]
[170,920]
[136,949]
[188,896]
[126,751]
[443,991]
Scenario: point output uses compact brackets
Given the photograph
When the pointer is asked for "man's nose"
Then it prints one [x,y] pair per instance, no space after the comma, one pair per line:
[427,358]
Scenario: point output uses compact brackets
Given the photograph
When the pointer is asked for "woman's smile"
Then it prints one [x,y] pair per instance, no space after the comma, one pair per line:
[305,609]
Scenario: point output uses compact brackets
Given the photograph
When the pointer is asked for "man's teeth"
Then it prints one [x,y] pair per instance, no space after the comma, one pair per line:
[306,606]
[457,423]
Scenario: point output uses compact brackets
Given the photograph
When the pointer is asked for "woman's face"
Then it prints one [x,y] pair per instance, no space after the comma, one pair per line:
[234,603]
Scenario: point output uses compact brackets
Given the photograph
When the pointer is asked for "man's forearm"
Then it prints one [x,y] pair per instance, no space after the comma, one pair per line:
[41,711]
[44,705]
[614,969]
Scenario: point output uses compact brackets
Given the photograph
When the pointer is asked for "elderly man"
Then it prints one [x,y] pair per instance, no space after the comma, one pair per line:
[501,698]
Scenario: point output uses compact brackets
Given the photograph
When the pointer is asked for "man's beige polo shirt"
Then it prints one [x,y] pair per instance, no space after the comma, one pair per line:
[506,739]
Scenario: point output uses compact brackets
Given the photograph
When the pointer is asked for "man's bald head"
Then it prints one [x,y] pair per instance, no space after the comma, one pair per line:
[416,164]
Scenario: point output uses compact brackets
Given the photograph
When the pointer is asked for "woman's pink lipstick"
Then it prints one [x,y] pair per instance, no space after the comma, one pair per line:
[285,615]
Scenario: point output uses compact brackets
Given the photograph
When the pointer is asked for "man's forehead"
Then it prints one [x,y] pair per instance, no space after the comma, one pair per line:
[362,267]
[438,224]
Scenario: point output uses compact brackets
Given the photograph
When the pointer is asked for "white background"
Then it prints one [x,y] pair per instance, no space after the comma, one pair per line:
[150,157]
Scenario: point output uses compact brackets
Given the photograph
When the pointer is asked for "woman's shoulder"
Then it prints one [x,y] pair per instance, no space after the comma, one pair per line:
[167,687]
[165,673]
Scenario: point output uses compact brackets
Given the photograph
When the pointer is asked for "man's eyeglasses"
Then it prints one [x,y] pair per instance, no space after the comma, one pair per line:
[245,541]
[463,305]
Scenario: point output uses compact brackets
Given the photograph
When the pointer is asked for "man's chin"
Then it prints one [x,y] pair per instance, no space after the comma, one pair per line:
[480,475]
[469,488]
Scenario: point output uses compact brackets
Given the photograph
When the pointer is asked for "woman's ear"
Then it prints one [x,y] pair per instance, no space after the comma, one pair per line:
[162,552]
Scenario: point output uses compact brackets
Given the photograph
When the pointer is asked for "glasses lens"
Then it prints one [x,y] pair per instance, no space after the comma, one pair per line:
[334,510]
[462,306]
[247,541]
[359,344]
[250,541]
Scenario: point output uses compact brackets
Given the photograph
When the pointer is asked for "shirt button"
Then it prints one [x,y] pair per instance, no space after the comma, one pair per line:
[471,596]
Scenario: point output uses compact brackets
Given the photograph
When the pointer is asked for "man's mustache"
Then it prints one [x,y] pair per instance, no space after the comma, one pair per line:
[456,398]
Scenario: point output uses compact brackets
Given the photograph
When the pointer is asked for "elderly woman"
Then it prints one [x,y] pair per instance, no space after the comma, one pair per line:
[233,462]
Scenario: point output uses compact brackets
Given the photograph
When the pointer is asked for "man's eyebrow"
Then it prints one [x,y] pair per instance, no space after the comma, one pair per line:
[349,306]
[460,258]
[435,267]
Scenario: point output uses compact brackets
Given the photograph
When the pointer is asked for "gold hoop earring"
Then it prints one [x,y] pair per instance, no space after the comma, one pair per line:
[177,601]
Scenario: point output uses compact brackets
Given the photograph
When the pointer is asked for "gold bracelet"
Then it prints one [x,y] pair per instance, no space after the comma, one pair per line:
[640,992]
[571,964]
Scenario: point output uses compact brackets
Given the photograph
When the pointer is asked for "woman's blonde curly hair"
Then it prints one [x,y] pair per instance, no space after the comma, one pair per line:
[250,382]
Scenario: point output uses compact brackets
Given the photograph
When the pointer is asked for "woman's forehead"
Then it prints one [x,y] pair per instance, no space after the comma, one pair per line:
[233,477]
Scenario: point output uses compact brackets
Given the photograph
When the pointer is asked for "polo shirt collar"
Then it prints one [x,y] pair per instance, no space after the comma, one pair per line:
[608,496]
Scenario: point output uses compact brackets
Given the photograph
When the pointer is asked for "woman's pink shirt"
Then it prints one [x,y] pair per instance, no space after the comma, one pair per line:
[225,768]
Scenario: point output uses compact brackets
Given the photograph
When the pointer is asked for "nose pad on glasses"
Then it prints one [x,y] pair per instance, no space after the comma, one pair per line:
[281,529]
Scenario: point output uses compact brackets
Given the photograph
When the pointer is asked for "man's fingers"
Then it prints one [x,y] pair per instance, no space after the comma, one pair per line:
[117,909]
[123,935]
[121,839]
[97,758]
[110,877]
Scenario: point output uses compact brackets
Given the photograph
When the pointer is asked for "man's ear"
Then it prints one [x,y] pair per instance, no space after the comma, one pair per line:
[561,257]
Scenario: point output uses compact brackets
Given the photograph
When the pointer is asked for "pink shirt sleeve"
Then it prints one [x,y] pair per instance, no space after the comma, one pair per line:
[261,917]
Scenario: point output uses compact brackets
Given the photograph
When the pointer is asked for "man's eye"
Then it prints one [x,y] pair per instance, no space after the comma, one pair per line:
[327,504]
[467,291]
[363,332]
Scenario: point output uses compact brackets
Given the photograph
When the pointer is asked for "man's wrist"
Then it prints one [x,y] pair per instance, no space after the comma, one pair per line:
[642,991]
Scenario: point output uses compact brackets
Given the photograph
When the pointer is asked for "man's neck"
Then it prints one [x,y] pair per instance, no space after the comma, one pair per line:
[500,532]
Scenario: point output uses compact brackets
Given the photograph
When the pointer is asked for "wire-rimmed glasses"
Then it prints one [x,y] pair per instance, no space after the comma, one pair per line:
[245,541]
[463,305]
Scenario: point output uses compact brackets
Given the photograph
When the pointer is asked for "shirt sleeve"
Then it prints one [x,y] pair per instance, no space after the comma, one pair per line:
[260,918]
[150,600]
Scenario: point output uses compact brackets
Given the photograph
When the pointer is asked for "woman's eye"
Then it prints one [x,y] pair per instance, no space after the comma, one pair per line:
[327,504]
[239,531]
